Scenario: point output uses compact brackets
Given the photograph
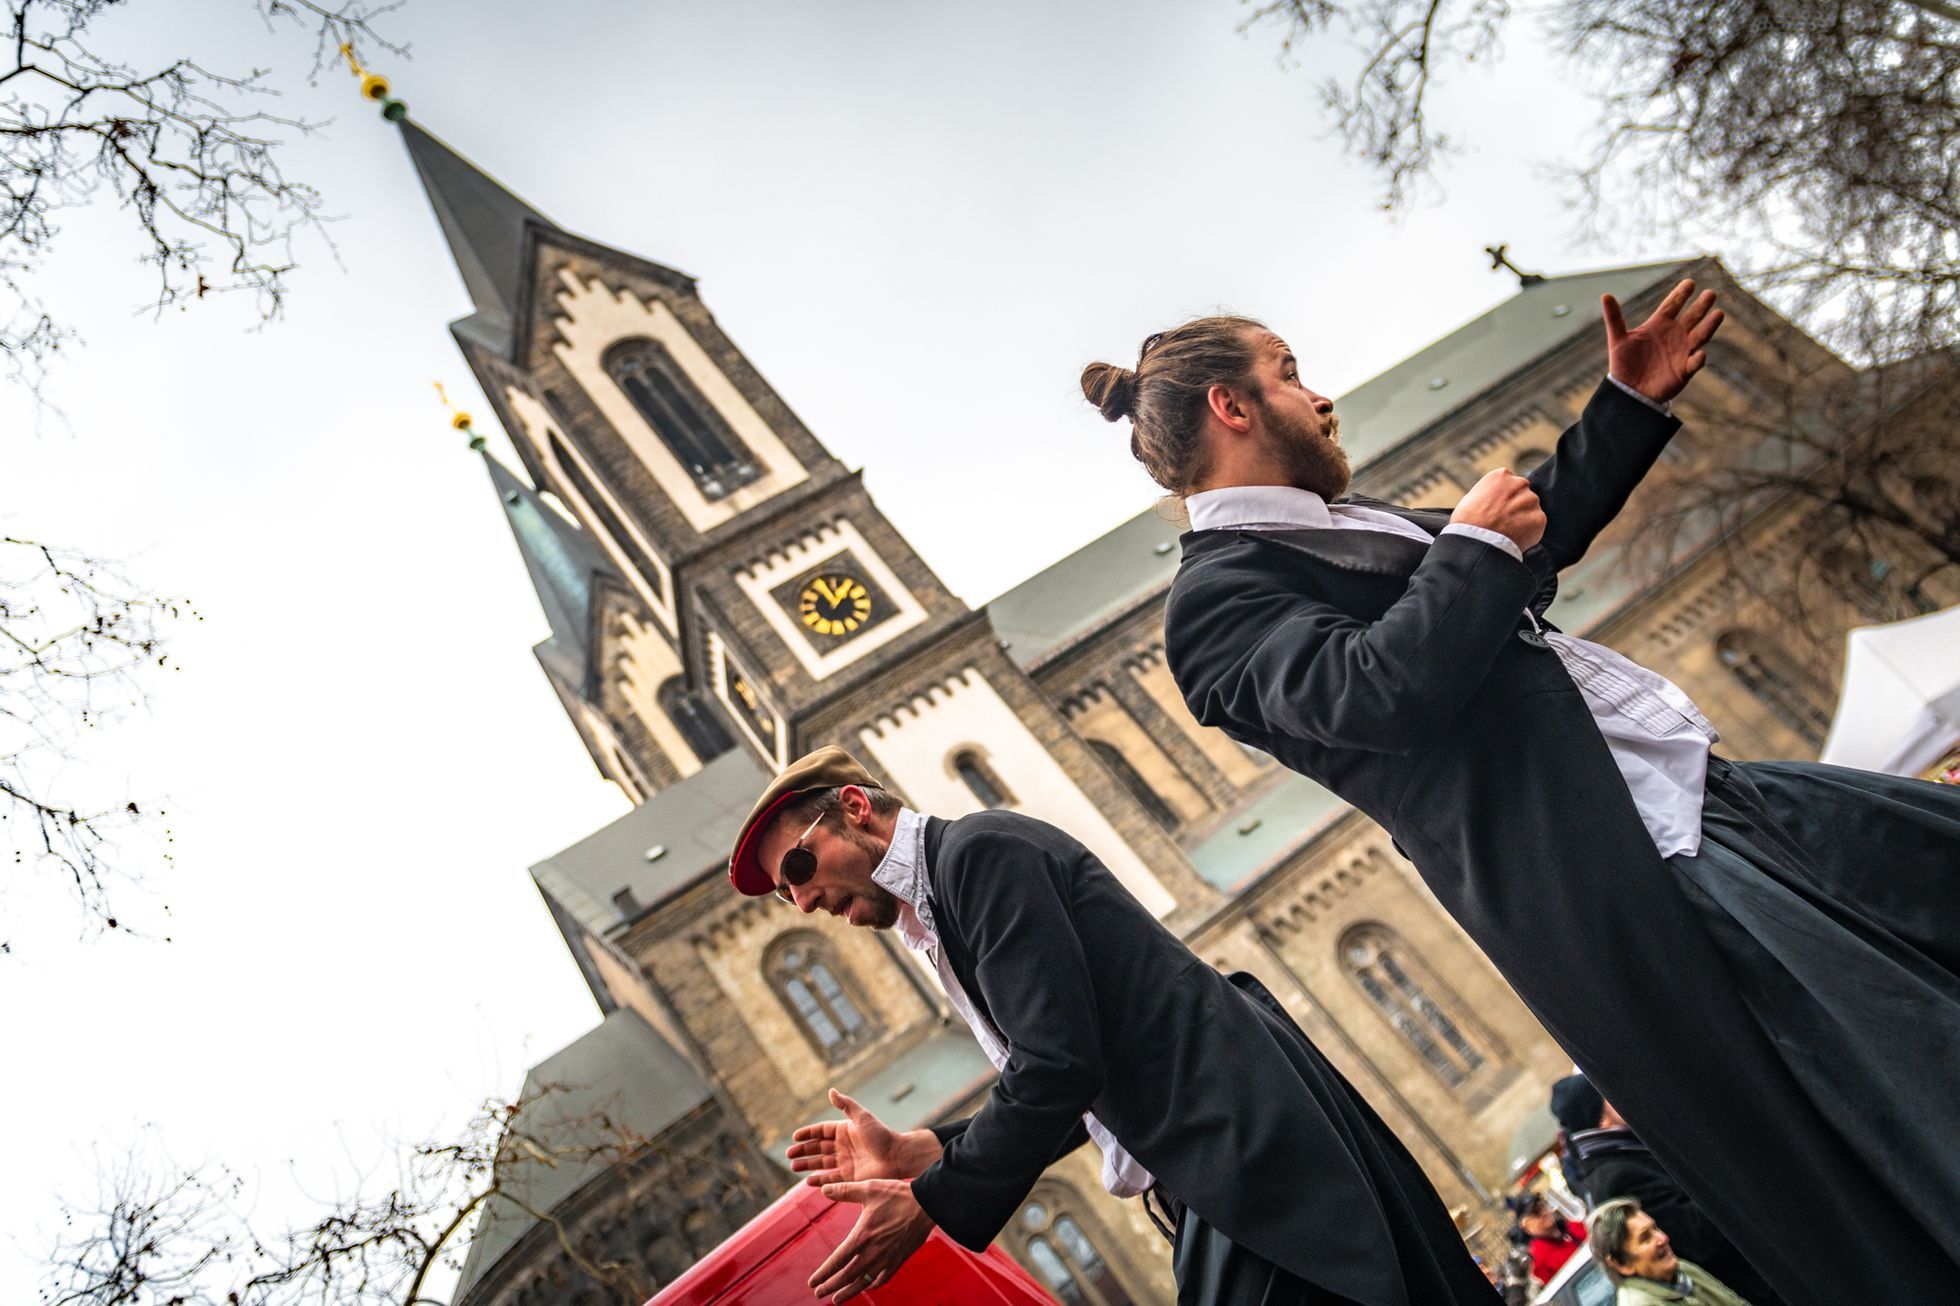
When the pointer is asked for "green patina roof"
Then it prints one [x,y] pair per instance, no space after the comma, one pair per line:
[1263,831]
[618,1083]
[1109,576]
[694,822]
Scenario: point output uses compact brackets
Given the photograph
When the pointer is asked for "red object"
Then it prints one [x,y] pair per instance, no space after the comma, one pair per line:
[1549,1255]
[769,1261]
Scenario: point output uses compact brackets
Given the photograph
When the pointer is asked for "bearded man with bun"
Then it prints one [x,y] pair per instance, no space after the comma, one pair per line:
[1758,963]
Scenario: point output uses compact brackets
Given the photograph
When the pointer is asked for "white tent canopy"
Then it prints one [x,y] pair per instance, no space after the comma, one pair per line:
[1901,705]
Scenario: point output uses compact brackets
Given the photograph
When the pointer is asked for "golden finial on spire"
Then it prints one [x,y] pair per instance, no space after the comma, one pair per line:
[459,419]
[373,85]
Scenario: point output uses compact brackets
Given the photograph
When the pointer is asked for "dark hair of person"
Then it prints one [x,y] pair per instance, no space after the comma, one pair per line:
[1164,396]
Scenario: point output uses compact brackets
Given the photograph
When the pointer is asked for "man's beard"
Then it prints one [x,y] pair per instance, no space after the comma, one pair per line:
[1312,459]
[884,903]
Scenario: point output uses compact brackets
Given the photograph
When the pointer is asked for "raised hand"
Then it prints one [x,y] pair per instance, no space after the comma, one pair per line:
[892,1226]
[858,1147]
[1658,356]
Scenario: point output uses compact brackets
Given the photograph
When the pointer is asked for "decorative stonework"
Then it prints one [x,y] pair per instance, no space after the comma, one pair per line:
[790,559]
[594,318]
[916,740]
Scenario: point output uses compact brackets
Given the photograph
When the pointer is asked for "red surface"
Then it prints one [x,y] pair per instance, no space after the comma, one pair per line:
[769,1261]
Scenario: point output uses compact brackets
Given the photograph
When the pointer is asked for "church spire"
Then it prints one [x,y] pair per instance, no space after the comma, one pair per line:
[483,222]
[565,565]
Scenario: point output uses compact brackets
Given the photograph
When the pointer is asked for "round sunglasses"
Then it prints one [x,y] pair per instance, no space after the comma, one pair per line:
[799,863]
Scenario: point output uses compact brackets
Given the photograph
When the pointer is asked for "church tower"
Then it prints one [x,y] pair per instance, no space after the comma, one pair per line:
[736,586]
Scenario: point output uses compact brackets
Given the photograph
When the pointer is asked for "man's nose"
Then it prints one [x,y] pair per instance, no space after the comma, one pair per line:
[1321,403]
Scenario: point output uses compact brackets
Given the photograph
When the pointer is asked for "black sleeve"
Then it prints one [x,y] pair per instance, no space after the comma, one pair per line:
[1007,893]
[1598,462]
[1252,652]
[946,1131]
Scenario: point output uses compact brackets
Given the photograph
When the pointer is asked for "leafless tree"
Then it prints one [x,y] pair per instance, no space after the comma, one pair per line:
[156,1234]
[193,160]
[1818,141]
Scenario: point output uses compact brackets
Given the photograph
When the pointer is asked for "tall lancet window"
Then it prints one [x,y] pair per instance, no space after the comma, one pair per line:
[1420,1007]
[696,721]
[1776,681]
[1119,765]
[800,970]
[700,439]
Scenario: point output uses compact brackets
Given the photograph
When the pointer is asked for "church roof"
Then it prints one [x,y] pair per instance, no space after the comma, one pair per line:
[619,1083]
[483,222]
[692,823]
[564,563]
[1077,595]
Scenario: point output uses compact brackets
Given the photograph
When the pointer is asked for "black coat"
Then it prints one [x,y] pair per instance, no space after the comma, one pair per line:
[1407,679]
[1212,1090]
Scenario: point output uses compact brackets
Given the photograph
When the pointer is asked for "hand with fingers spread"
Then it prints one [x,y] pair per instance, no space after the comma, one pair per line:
[892,1226]
[1658,356]
[858,1147]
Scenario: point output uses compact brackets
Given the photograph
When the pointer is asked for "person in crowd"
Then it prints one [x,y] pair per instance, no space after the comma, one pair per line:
[1753,960]
[1282,1185]
[1606,1161]
[1551,1238]
[1639,1258]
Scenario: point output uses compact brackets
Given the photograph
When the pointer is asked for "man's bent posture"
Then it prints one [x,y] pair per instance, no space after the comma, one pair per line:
[1284,1186]
[1759,964]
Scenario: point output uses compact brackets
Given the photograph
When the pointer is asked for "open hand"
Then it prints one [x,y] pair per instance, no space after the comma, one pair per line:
[1658,356]
[892,1226]
[858,1147]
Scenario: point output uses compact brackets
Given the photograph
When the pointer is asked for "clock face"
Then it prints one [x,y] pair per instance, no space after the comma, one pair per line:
[835,604]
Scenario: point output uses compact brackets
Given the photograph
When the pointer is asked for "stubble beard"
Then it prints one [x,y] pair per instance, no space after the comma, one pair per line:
[882,901]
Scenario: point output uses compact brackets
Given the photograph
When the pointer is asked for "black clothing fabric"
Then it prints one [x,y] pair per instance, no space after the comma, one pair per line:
[1204,1081]
[1212,1270]
[1611,1163]
[1393,674]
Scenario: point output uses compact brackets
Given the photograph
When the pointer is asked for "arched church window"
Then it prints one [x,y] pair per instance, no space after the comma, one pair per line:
[699,726]
[1052,1234]
[1417,1004]
[805,978]
[1525,461]
[1776,682]
[984,783]
[700,439]
[1119,765]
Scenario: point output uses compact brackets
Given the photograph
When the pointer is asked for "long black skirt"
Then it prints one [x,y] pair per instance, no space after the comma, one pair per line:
[1833,898]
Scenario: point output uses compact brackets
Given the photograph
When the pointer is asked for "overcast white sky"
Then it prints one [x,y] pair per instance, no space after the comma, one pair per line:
[919,220]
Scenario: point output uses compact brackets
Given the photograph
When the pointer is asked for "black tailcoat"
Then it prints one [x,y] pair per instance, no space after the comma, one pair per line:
[1407,678]
[1212,1090]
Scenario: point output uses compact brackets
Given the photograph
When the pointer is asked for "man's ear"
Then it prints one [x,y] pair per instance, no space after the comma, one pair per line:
[856,804]
[1229,408]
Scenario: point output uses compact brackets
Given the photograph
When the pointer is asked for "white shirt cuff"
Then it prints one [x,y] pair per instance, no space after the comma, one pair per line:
[1664,409]
[1490,537]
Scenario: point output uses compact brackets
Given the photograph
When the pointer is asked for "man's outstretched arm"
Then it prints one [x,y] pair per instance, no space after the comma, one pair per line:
[1601,458]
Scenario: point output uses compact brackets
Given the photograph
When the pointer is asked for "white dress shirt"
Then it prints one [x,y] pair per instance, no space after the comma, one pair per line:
[1658,738]
[903,874]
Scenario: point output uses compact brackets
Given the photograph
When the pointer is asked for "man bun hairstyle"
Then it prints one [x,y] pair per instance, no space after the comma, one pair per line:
[1165,395]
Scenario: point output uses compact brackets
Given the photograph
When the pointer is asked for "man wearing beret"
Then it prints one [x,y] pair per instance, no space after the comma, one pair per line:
[1283,1186]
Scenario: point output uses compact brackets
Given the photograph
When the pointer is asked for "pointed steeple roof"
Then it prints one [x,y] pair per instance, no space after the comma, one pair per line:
[564,564]
[483,222]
